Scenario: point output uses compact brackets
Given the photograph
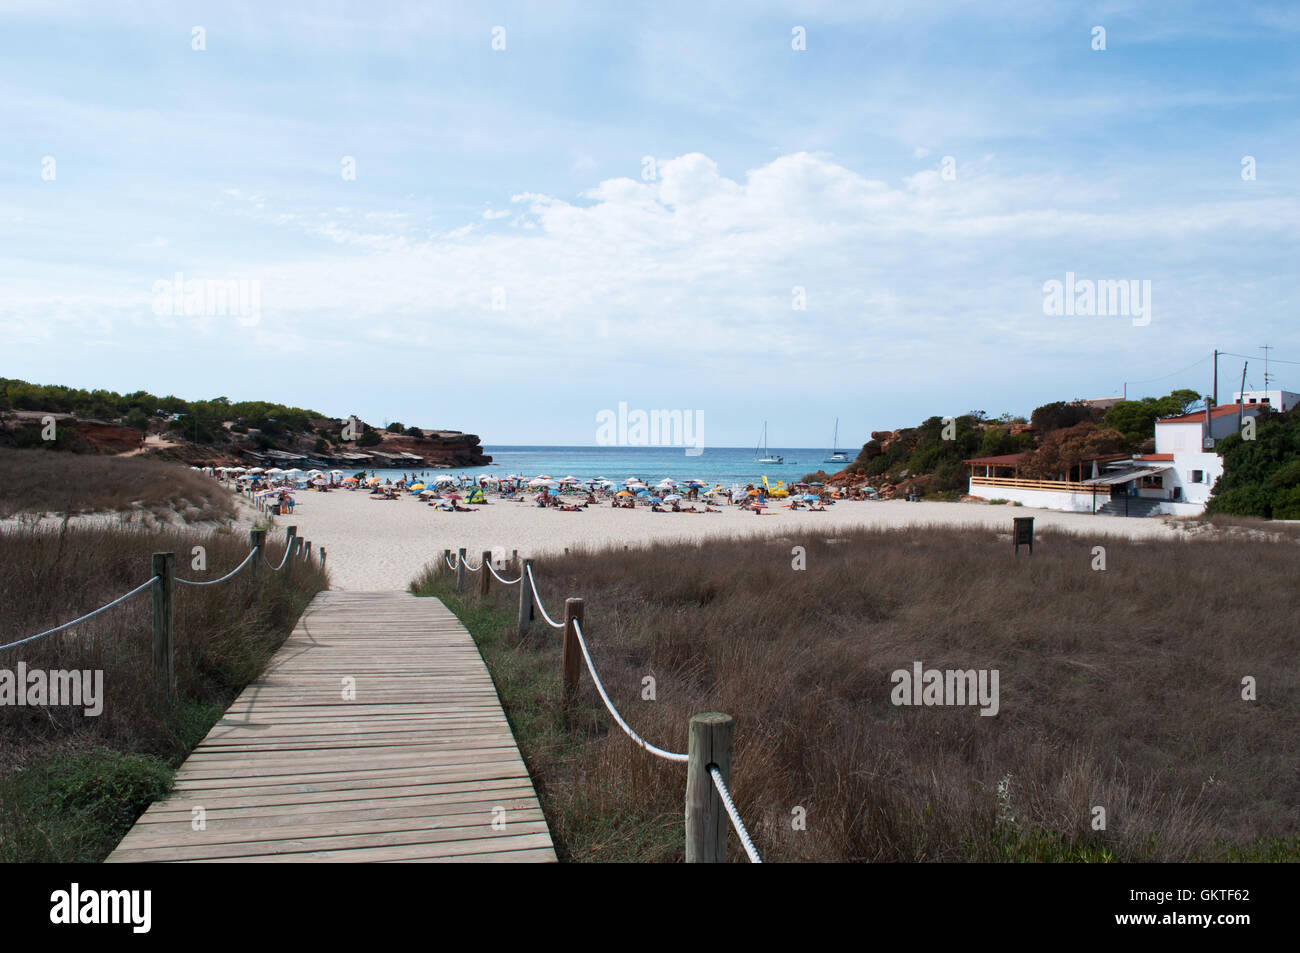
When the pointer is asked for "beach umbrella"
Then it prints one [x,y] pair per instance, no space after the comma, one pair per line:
[416,487]
[452,496]
[256,470]
[444,478]
[622,493]
[654,499]
[672,499]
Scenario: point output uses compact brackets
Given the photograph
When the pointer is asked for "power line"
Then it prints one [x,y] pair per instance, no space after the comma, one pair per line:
[1174,374]
[1247,357]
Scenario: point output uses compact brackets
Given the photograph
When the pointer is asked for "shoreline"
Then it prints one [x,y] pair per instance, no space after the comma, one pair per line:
[384,544]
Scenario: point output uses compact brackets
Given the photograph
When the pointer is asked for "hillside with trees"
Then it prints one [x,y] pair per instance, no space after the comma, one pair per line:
[1057,437]
[211,431]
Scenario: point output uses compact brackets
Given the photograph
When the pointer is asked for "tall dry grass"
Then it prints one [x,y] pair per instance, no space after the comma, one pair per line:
[41,481]
[223,633]
[70,784]
[1120,689]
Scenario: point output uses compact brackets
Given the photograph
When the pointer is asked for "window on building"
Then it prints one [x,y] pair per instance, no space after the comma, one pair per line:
[1198,476]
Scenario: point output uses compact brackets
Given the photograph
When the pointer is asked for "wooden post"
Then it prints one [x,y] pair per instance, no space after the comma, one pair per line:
[164,660]
[706,818]
[446,561]
[485,574]
[257,538]
[306,555]
[460,569]
[322,557]
[525,599]
[571,653]
[514,560]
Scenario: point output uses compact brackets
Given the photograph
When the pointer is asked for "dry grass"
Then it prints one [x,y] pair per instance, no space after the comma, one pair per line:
[40,481]
[1120,689]
[71,784]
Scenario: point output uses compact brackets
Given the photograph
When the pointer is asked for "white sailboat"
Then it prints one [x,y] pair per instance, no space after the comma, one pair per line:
[837,455]
[766,457]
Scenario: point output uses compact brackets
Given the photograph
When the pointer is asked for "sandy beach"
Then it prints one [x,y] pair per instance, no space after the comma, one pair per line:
[374,544]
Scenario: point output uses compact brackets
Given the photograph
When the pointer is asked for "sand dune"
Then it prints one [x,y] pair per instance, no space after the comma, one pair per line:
[375,544]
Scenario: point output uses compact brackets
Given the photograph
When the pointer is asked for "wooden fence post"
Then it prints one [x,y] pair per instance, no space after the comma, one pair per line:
[571,654]
[485,573]
[525,598]
[322,557]
[706,817]
[164,659]
[514,560]
[291,551]
[257,538]
[460,569]
[306,551]
[446,561]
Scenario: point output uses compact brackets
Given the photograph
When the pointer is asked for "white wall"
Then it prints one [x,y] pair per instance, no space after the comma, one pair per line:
[1043,499]
[1175,438]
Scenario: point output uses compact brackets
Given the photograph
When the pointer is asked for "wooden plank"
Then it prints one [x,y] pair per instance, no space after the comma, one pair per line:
[419,765]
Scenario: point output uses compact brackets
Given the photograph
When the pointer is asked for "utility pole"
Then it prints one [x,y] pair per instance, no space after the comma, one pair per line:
[1216,377]
[1241,404]
[1266,348]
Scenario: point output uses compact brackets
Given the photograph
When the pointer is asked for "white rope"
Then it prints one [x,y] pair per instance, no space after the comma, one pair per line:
[288,548]
[668,755]
[469,566]
[450,563]
[88,615]
[508,582]
[213,582]
[736,822]
[537,601]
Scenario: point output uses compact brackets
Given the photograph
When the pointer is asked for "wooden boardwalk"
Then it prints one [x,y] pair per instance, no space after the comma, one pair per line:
[417,768]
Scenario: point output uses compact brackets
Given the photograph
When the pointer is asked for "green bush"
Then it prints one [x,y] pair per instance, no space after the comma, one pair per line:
[74,808]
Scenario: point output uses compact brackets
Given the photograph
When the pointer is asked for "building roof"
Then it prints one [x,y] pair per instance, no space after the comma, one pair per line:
[1156,457]
[1126,476]
[1199,417]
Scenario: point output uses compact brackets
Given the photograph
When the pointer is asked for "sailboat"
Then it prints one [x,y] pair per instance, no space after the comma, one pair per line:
[766,457]
[837,456]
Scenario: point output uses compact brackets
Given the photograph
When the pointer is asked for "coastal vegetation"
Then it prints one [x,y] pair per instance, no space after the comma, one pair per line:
[1115,693]
[1261,476]
[208,432]
[71,784]
[35,482]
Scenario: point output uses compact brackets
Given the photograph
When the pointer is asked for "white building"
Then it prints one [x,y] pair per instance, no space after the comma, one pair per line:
[1279,400]
[1176,479]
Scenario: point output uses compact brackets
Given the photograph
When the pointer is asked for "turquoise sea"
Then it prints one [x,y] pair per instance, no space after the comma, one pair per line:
[725,465]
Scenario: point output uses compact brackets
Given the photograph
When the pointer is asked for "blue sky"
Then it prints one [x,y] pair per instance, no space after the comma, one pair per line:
[518,177]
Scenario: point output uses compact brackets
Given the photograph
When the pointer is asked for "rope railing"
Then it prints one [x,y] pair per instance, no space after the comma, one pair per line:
[284,559]
[507,582]
[538,601]
[707,794]
[212,582]
[604,696]
[736,822]
[163,582]
[469,566]
[89,615]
